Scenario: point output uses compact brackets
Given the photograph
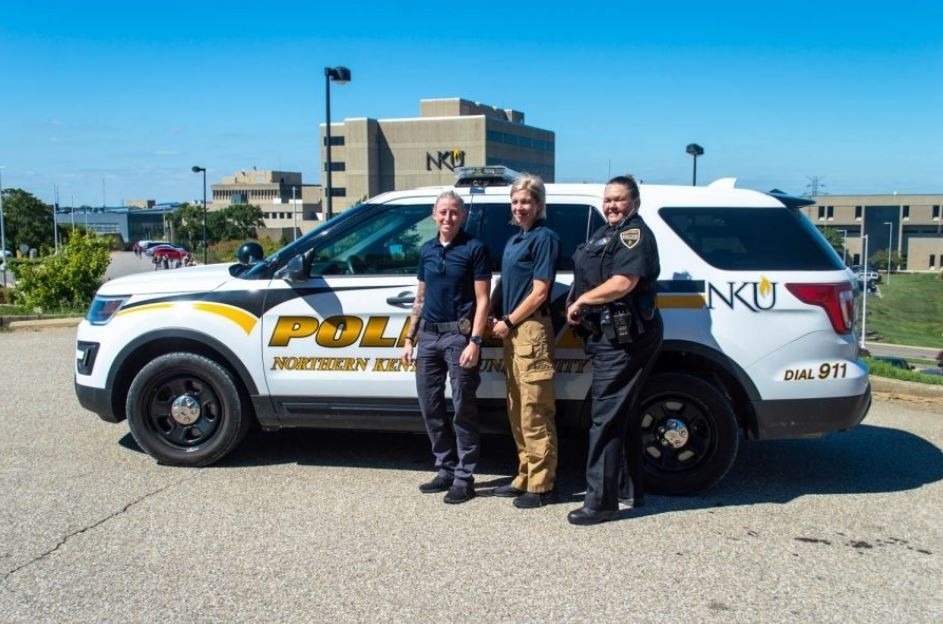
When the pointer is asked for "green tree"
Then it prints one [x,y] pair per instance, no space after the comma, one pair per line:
[27,220]
[878,260]
[67,279]
[245,220]
[187,222]
[836,239]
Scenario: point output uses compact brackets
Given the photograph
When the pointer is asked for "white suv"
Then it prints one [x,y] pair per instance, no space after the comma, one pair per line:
[758,308]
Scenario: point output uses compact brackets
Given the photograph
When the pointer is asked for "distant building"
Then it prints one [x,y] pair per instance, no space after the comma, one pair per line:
[371,156]
[914,231]
[140,203]
[122,222]
[286,202]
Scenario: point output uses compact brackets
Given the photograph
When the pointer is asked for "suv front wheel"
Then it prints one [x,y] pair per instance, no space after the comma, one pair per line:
[689,434]
[185,410]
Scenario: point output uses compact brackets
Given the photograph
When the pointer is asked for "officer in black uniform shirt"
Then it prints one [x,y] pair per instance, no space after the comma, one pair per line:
[612,306]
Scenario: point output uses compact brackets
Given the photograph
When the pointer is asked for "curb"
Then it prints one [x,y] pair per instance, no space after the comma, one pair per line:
[39,324]
[909,388]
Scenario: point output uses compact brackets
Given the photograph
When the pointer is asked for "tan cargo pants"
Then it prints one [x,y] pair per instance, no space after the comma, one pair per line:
[528,357]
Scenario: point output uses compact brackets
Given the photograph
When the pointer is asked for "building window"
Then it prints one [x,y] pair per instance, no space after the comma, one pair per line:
[338,191]
[905,212]
[830,212]
[936,212]
[858,211]
[336,166]
[335,140]
[932,261]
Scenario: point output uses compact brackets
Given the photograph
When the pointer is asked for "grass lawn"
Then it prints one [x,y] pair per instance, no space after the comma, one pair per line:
[909,310]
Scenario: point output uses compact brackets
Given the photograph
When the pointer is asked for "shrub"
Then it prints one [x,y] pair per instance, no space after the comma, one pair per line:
[67,279]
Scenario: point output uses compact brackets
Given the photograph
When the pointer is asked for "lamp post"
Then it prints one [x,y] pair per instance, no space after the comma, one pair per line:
[294,214]
[864,300]
[694,150]
[340,75]
[3,233]
[197,169]
[890,248]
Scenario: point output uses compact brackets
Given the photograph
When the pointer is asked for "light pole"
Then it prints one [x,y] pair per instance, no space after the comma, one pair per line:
[864,300]
[3,233]
[890,248]
[340,75]
[694,150]
[197,169]
[294,214]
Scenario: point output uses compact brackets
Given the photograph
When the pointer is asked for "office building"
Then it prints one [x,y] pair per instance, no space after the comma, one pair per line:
[371,156]
[907,224]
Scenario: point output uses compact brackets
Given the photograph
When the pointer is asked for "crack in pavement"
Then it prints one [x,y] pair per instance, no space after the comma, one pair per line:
[68,537]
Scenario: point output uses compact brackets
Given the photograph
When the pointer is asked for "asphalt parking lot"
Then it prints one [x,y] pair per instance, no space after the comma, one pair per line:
[329,527]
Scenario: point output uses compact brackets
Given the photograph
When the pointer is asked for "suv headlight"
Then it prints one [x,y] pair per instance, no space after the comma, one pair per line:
[103,308]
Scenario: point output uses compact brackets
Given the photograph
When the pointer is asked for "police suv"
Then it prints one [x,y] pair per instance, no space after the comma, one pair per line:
[758,308]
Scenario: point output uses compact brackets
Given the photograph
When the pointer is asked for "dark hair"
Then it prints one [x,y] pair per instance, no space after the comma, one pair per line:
[627,181]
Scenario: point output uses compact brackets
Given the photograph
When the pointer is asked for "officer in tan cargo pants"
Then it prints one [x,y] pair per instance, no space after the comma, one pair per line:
[528,270]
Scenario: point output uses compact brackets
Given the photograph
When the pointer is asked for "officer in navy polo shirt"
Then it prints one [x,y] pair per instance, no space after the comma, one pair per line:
[528,270]
[446,327]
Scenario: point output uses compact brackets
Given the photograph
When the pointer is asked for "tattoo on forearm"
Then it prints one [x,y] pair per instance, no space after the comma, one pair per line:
[414,315]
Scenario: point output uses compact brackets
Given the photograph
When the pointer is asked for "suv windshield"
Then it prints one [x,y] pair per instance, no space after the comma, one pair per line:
[753,239]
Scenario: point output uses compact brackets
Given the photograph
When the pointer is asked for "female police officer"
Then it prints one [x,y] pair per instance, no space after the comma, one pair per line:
[528,270]
[612,302]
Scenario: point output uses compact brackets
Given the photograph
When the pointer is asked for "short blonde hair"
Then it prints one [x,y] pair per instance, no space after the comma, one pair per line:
[535,186]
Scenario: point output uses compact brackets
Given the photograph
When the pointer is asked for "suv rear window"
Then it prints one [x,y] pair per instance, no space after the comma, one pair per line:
[757,239]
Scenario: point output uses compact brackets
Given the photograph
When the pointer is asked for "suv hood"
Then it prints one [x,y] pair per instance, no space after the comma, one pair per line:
[187,279]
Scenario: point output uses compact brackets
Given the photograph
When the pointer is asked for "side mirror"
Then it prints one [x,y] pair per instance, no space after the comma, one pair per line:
[249,253]
[296,269]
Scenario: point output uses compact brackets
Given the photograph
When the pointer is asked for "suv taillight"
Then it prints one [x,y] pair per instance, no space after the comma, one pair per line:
[838,301]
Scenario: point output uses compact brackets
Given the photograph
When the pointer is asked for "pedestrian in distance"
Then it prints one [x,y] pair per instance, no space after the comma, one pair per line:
[522,313]
[447,322]
[612,305]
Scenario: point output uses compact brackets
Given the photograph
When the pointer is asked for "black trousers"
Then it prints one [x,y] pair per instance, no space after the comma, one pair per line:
[619,371]
[455,439]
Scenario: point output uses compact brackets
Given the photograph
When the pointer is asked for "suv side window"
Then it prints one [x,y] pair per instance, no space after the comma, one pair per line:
[573,223]
[753,239]
[387,243]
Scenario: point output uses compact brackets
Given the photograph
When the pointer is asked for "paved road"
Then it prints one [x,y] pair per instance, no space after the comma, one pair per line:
[329,527]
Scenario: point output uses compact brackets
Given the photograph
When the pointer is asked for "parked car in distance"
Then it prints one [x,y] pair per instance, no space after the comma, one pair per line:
[931,371]
[147,246]
[896,362]
[866,274]
[171,252]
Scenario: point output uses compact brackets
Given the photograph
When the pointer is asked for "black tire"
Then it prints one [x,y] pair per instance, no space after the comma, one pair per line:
[185,410]
[689,434]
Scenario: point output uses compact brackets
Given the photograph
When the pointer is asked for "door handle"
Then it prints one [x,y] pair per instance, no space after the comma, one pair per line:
[403,300]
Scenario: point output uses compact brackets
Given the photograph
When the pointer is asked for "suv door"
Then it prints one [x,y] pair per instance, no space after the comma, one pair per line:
[337,334]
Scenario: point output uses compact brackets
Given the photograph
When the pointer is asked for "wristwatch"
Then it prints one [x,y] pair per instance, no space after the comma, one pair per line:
[476,340]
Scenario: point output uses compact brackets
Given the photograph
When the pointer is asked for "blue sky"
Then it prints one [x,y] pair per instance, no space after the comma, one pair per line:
[111,101]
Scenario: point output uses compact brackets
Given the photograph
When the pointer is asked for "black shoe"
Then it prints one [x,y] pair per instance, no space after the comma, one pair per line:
[459,494]
[584,516]
[439,484]
[532,500]
[507,491]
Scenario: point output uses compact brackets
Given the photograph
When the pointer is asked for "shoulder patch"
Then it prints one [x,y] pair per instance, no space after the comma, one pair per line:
[630,237]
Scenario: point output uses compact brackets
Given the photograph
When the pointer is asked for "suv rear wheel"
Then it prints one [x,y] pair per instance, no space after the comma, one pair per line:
[689,434]
[185,410]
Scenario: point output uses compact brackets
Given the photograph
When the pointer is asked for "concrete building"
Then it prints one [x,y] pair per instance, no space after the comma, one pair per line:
[288,205]
[907,224]
[372,156]
[125,224]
